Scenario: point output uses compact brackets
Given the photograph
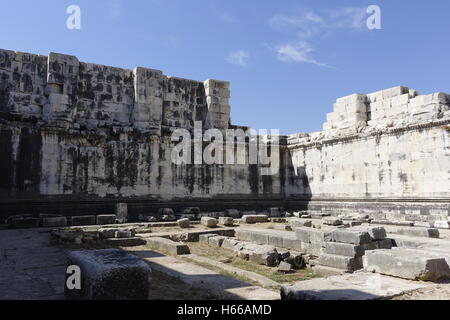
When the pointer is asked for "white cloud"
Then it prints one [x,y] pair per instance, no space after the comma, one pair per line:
[307,23]
[297,52]
[282,20]
[349,18]
[239,58]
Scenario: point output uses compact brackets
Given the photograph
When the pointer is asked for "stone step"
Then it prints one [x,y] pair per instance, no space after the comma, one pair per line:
[356,286]
[419,232]
[327,271]
[349,264]
[174,248]
[413,264]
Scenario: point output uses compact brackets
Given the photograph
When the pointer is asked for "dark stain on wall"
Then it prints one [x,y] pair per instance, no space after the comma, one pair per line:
[6,160]
[28,165]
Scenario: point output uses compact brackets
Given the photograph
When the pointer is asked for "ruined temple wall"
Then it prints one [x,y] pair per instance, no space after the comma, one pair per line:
[407,164]
[388,151]
[40,163]
[61,91]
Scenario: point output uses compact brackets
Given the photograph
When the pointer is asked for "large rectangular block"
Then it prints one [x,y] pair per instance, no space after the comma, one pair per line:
[51,222]
[250,219]
[303,234]
[23,222]
[319,237]
[341,262]
[419,232]
[82,220]
[352,237]
[292,243]
[110,274]
[405,263]
[344,249]
[174,248]
[105,219]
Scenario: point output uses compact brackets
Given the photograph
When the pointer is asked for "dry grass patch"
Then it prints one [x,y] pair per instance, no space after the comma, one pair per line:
[227,256]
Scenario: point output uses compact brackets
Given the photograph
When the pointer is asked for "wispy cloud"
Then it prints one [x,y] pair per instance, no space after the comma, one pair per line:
[239,58]
[281,20]
[297,52]
[353,18]
[307,23]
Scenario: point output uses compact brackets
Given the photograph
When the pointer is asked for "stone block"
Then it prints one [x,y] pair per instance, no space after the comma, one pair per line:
[344,249]
[409,264]
[284,267]
[126,242]
[83,220]
[351,237]
[442,224]
[209,222]
[23,222]
[303,234]
[393,223]
[168,218]
[275,212]
[233,213]
[105,219]
[341,262]
[167,212]
[53,222]
[121,212]
[296,260]
[292,243]
[122,234]
[275,240]
[282,227]
[174,248]
[376,233]
[251,219]
[229,243]
[419,232]
[216,241]
[327,271]
[204,238]
[384,244]
[110,274]
[332,221]
[298,223]
[319,237]
[184,223]
[226,221]
[191,210]
[107,233]
[265,255]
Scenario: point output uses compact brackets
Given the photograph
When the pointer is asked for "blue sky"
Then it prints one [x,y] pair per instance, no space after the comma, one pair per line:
[287,61]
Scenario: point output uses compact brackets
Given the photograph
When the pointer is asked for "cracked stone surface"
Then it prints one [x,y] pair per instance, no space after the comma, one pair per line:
[29,268]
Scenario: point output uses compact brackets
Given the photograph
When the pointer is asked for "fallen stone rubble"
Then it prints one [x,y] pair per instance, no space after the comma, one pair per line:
[259,253]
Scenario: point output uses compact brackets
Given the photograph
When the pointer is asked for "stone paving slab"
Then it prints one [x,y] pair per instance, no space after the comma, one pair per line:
[357,286]
[29,268]
[222,287]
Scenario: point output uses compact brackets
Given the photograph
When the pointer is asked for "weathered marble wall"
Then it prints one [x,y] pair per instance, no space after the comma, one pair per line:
[390,146]
[73,132]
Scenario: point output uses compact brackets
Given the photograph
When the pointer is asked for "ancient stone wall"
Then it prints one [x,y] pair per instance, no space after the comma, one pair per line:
[72,131]
[74,134]
[392,144]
